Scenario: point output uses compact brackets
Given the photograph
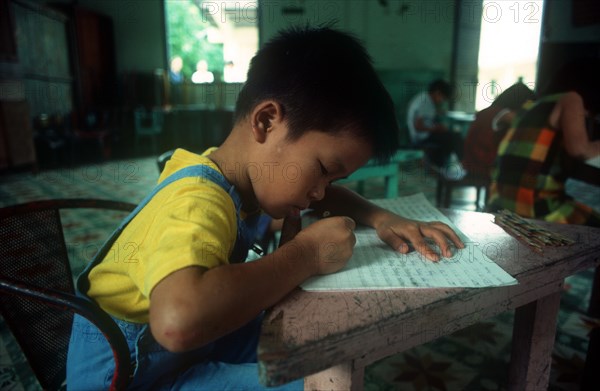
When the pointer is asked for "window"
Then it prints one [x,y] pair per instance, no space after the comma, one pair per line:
[210,41]
[508,49]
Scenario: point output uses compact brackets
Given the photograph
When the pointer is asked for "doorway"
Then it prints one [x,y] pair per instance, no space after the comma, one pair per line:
[508,47]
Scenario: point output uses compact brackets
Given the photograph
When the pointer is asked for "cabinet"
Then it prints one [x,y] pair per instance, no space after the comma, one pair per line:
[36,79]
[91,42]
[43,58]
[16,141]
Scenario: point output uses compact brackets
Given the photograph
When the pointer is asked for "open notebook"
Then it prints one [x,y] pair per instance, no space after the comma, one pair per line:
[374,265]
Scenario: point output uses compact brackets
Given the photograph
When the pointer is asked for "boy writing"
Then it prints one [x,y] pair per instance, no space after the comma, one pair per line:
[188,304]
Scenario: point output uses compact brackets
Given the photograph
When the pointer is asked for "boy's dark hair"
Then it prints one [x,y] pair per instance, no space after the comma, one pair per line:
[324,80]
[441,86]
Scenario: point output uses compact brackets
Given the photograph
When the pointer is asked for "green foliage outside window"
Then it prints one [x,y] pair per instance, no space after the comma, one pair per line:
[187,37]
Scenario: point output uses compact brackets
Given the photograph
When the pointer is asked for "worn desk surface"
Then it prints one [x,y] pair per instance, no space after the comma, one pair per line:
[329,337]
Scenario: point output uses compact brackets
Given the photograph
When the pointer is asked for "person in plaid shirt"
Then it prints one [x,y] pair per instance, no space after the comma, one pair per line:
[547,141]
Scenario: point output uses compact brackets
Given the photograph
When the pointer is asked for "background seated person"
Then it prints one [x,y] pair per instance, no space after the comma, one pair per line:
[489,127]
[202,74]
[544,144]
[424,119]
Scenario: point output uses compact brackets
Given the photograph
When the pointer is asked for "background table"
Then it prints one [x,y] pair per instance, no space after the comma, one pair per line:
[459,121]
[329,337]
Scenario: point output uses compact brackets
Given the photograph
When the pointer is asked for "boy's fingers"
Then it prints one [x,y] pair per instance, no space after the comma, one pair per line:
[350,223]
[449,232]
[442,241]
[437,232]
[423,248]
[394,241]
[441,234]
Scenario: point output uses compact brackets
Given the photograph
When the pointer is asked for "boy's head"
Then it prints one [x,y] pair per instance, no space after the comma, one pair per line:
[324,81]
[440,90]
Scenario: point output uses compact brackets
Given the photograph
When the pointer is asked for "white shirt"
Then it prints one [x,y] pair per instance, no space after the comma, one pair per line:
[202,77]
[420,106]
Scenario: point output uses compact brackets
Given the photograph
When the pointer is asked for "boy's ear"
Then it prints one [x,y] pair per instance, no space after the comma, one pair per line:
[265,116]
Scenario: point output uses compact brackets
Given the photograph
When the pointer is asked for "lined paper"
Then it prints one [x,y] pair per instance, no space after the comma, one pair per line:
[374,265]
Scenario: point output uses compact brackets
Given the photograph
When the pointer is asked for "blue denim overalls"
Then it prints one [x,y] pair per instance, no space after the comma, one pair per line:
[228,363]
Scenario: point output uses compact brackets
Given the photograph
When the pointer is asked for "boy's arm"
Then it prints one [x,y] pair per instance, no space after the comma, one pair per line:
[194,306]
[429,126]
[395,230]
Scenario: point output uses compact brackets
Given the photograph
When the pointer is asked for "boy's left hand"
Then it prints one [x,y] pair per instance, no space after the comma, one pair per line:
[398,232]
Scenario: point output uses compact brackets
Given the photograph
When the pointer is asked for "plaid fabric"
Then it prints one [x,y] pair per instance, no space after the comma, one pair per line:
[531,169]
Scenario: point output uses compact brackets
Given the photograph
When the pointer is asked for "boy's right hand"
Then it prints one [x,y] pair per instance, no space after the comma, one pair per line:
[327,243]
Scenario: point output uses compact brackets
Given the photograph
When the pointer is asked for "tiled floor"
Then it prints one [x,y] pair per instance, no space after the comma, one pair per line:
[131,178]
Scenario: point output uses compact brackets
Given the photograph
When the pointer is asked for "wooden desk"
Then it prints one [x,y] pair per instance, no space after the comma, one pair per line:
[329,337]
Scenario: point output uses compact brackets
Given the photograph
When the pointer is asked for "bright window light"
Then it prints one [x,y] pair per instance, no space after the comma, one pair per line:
[508,49]
[213,37]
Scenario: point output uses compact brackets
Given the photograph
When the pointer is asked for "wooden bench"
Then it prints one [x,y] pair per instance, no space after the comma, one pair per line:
[388,170]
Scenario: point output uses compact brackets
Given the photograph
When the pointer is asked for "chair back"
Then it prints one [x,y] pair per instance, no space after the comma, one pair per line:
[148,122]
[162,160]
[34,258]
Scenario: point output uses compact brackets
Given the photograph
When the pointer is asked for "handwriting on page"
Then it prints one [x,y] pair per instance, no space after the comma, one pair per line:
[376,266]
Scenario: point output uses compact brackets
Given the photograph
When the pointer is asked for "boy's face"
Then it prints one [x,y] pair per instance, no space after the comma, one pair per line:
[296,173]
[438,98]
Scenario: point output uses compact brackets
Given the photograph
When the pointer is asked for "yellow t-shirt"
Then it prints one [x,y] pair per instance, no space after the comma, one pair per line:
[191,222]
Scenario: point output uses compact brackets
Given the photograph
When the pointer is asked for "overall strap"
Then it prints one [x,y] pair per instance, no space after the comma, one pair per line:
[200,171]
